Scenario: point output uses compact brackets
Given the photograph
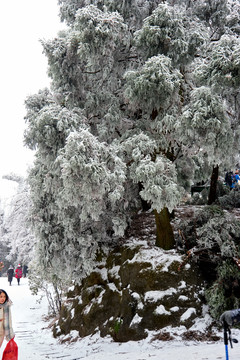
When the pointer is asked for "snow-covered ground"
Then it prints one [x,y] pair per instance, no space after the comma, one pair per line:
[35,341]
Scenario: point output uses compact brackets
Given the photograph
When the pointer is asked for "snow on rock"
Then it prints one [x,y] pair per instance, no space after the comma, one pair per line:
[182,284]
[136,320]
[113,287]
[185,316]
[156,257]
[154,296]
[160,310]
[183,298]
[103,273]
[87,309]
[174,309]
[114,272]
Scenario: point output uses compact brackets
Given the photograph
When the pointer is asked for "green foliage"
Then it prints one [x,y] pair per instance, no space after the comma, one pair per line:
[214,13]
[160,189]
[205,120]
[155,85]
[213,239]
[93,177]
[224,294]
[230,201]
[168,31]
[133,11]
[94,30]
[117,325]
[214,231]
[223,68]
[87,54]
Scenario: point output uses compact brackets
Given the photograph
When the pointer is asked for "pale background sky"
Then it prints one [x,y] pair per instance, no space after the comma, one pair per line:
[23,71]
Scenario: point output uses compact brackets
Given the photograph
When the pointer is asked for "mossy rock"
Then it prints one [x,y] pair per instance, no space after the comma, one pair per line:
[64,323]
[132,274]
[120,255]
[90,293]
[95,278]
[99,303]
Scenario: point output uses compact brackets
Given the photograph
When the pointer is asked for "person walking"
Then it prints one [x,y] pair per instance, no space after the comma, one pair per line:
[1,267]
[18,273]
[25,270]
[10,274]
[6,330]
[236,180]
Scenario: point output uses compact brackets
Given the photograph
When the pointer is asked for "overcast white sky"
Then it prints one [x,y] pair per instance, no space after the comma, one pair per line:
[23,71]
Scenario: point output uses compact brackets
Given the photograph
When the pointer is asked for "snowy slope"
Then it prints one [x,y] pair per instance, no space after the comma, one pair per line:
[35,340]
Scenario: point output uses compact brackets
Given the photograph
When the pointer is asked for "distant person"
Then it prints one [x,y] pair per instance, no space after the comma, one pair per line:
[25,270]
[18,273]
[229,179]
[10,273]
[6,330]
[1,267]
[236,178]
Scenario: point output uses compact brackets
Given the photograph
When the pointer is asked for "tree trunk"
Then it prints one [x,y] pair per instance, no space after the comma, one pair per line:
[165,236]
[212,196]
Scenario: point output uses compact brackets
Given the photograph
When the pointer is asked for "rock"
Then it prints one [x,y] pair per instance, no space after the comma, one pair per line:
[139,288]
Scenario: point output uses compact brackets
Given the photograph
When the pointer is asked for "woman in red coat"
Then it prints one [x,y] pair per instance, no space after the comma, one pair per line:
[18,273]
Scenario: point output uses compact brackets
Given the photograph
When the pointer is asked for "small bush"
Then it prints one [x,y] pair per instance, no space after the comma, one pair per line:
[212,239]
[230,200]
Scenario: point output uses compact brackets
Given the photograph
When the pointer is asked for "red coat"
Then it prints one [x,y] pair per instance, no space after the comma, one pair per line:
[18,273]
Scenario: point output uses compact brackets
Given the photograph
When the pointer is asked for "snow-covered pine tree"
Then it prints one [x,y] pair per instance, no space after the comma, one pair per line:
[170,37]
[72,130]
[3,246]
[125,119]
[16,233]
[133,11]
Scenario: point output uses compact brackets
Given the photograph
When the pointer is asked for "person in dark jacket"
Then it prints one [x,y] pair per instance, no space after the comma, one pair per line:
[25,270]
[18,273]
[229,179]
[231,317]
[10,274]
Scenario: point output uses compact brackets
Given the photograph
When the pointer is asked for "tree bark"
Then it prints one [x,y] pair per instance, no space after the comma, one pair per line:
[212,196]
[165,236]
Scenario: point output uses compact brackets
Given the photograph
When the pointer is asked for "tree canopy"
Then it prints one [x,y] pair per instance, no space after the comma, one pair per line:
[143,101]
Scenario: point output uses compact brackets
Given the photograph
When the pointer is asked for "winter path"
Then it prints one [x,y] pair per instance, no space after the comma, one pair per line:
[35,340]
